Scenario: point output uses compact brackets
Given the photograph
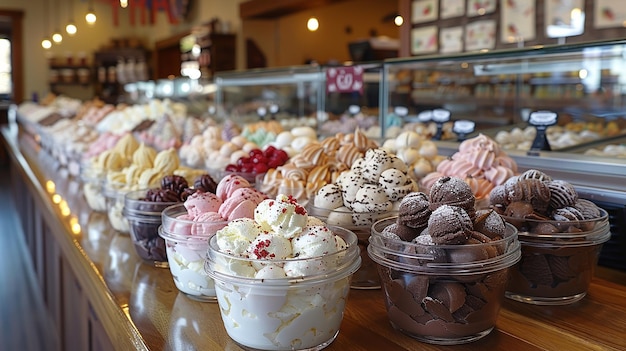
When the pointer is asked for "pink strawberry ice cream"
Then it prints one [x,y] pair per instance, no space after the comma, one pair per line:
[200,202]
[480,162]
[187,228]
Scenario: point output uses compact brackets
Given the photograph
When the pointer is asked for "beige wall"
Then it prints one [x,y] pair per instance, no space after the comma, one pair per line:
[330,42]
[90,39]
[285,41]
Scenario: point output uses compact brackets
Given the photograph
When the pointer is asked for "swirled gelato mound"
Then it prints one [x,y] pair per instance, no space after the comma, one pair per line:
[374,186]
[480,162]
[535,196]
[216,147]
[187,229]
[317,164]
[419,153]
[281,230]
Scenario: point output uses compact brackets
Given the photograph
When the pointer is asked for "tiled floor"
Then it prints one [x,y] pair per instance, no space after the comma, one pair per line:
[25,324]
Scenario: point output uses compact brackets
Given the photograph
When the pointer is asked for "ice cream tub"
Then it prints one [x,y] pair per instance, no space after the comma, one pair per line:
[93,183]
[114,197]
[295,312]
[558,259]
[144,220]
[366,278]
[444,294]
[186,243]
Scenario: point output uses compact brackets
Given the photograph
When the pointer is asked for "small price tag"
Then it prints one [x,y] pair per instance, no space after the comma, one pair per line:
[440,115]
[401,111]
[542,118]
[463,126]
[425,116]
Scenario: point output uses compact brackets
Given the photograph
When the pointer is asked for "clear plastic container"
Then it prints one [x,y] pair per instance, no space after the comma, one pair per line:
[367,276]
[443,294]
[93,183]
[114,195]
[556,268]
[144,219]
[302,313]
[186,242]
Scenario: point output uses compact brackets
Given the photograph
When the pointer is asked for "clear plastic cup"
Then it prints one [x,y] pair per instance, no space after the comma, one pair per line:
[443,294]
[302,313]
[114,195]
[144,220]
[187,242]
[93,183]
[556,268]
[367,276]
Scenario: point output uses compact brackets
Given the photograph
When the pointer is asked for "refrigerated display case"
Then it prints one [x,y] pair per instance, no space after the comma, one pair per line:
[582,85]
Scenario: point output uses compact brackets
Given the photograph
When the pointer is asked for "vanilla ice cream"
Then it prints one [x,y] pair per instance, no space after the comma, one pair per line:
[285,289]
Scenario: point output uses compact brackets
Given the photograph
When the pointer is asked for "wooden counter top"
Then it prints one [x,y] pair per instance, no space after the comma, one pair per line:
[140,308]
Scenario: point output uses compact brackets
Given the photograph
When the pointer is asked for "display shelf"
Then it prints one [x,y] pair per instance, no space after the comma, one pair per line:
[123,303]
[587,77]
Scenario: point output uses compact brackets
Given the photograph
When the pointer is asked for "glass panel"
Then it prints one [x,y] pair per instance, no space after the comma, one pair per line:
[579,82]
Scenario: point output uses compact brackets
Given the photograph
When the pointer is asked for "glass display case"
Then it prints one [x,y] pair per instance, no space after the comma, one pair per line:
[333,99]
[270,94]
[560,109]
[499,90]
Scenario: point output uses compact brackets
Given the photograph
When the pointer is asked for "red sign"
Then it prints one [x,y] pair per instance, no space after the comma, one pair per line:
[344,79]
[176,10]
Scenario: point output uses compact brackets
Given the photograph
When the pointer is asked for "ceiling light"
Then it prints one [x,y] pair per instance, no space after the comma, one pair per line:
[312,24]
[57,37]
[46,43]
[71,28]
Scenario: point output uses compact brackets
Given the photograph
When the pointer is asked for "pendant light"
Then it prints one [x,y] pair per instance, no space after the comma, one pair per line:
[123,4]
[90,17]
[57,37]
[70,28]
[45,42]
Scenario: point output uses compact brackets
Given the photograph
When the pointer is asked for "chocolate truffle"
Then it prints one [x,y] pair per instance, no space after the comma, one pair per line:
[562,194]
[454,192]
[490,224]
[535,174]
[588,209]
[205,183]
[414,211]
[449,225]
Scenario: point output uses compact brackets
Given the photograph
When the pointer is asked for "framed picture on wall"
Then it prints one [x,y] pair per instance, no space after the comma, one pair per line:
[481,7]
[564,18]
[480,35]
[451,39]
[452,8]
[609,13]
[424,40]
[424,11]
[517,23]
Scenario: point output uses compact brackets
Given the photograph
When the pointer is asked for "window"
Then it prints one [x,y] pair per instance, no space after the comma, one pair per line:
[5,67]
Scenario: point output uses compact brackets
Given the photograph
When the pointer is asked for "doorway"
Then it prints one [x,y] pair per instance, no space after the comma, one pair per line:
[11,32]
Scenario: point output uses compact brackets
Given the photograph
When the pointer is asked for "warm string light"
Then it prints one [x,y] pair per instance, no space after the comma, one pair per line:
[123,4]
[57,37]
[90,17]
[312,24]
[45,42]
[70,28]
